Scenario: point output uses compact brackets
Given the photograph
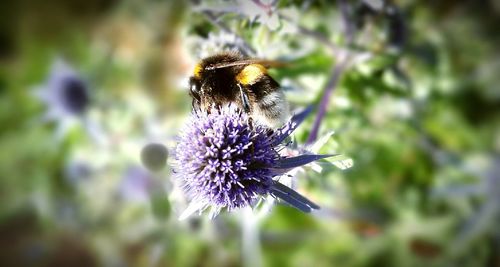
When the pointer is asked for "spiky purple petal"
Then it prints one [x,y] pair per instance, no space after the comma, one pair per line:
[292,197]
[288,163]
[282,133]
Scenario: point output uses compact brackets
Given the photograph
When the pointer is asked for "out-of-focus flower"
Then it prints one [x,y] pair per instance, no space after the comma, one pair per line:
[77,171]
[225,160]
[263,11]
[260,11]
[136,185]
[68,98]
[65,92]
[221,41]
[66,95]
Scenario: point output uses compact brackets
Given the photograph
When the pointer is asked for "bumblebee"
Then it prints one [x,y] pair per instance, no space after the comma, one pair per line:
[229,77]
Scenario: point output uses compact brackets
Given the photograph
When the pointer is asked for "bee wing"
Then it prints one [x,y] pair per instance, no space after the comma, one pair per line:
[264,62]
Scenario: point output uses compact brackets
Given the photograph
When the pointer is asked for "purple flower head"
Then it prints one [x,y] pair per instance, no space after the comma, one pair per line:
[68,98]
[65,92]
[225,160]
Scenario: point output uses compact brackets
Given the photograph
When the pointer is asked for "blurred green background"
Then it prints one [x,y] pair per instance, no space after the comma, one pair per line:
[416,108]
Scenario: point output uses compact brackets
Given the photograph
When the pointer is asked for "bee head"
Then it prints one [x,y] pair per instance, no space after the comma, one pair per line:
[211,85]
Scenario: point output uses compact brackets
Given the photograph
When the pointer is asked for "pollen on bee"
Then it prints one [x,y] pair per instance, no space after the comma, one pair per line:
[197,71]
[251,74]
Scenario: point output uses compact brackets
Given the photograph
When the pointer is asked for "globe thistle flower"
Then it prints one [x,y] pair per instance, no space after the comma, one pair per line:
[65,92]
[68,99]
[66,95]
[225,160]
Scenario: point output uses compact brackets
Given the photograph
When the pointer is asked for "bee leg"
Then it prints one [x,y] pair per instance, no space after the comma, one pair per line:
[244,99]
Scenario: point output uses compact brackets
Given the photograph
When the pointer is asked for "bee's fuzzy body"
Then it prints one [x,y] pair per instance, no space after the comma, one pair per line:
[231,78]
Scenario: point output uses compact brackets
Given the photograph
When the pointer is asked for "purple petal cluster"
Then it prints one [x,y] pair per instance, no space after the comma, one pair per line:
[225,160]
